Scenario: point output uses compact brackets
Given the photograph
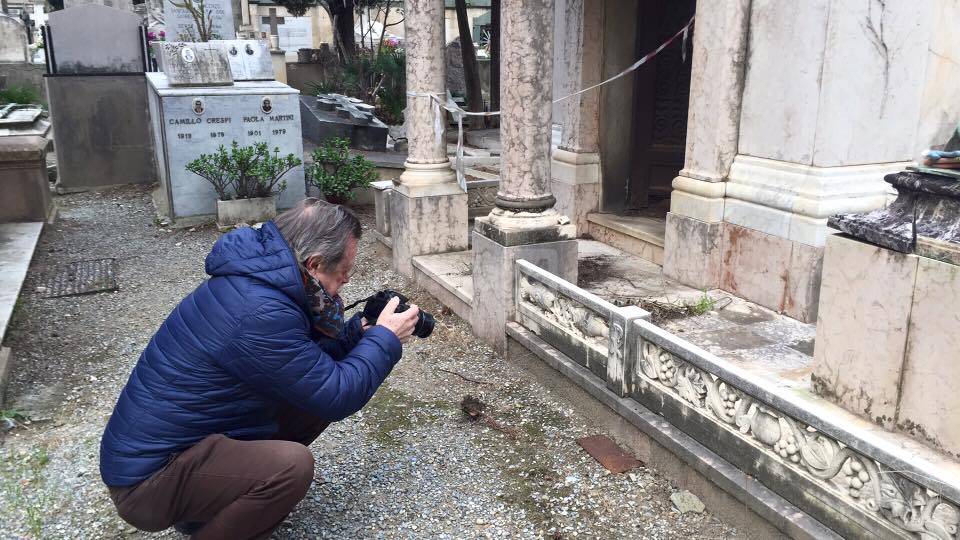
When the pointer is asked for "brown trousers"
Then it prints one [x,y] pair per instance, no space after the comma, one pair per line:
[238,489]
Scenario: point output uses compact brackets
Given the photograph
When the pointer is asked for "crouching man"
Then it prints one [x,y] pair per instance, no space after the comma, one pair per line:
[210,433]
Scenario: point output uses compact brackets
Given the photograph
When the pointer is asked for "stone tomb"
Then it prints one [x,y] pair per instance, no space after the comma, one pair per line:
[23,167]
[189,121]
[335,115]
[98,98]
[181,27]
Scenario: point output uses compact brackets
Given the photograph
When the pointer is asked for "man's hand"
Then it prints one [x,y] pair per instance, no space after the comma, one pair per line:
[401,324]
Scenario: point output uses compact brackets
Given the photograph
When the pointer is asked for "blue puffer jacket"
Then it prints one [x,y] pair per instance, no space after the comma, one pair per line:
[230,352]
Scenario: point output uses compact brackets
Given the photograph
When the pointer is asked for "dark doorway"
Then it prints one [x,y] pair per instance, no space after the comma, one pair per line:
[661,96]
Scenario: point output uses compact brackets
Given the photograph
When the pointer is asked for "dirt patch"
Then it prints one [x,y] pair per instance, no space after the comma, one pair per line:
[593,270]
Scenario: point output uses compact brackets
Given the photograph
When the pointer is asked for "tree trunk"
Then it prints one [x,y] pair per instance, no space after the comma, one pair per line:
[344,27]
[471,69]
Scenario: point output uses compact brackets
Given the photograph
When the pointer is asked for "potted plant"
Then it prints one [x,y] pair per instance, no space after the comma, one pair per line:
[336,174]
[247,180]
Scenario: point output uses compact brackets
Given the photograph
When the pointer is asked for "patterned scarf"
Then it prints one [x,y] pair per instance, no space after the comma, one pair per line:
[327,310]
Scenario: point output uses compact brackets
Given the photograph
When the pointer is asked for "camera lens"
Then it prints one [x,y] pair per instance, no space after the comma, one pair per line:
[425,323]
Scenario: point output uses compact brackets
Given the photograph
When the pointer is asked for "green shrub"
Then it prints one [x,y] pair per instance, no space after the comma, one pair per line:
[23,95]
[336,174]
[244,172]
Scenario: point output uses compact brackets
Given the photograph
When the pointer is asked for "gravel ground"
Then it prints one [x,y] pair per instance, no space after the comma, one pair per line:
[409,465]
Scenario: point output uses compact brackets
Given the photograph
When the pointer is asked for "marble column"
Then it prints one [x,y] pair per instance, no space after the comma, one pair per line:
[524,223]
[428,209]
[576,163]
[692,244]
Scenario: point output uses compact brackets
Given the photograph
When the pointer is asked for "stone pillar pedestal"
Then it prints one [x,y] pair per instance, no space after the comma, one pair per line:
[576,185]
[428,209]
[524,224]
[495,252]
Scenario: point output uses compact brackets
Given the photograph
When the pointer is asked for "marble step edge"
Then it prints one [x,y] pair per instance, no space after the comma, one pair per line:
[610,222]
[424,264]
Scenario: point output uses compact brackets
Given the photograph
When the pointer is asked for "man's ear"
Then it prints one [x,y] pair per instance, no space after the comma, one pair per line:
[313,265]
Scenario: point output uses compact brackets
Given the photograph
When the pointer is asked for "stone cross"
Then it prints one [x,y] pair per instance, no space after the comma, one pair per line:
[274,21]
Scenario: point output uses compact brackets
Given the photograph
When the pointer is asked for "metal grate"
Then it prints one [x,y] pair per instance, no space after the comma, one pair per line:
[82,277]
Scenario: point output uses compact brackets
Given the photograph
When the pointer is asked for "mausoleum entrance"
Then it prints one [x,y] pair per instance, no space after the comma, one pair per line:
[661,96]
[643,123]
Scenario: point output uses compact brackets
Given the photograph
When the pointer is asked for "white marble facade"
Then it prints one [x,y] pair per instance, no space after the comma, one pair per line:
[798,110]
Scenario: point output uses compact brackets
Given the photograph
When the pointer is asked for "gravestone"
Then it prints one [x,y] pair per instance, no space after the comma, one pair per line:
[92,38]
[13,40]
[456,76]
[249,59]
[335,115]
[193,64]
[180,25]
[190,121]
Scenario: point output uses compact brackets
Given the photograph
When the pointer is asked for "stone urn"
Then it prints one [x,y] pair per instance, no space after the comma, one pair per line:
[255,210]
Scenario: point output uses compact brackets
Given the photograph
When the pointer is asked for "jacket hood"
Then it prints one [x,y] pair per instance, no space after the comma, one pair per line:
[261,254]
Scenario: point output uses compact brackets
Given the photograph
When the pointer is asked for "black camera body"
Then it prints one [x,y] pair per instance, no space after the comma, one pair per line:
[376,303]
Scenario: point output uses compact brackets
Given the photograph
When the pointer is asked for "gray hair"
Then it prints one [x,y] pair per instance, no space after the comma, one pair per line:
[316,228]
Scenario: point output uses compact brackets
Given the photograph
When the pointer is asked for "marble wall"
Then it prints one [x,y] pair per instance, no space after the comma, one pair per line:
[888,333]
[834,83]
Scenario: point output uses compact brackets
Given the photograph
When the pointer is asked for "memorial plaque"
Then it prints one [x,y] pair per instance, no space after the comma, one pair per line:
[180,25]
[188,122]
[249,59]
[96,39]
[193,64]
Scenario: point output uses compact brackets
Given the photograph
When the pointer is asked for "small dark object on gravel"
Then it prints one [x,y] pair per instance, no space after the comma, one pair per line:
[472,407]
[608,453]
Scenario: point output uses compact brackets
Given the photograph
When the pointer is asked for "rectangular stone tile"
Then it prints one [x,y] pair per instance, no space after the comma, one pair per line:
[755,265]
[692,251]
[865,301]
[929,403]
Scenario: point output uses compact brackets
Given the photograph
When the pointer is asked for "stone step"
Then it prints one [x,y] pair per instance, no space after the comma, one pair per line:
[640,236]
[449,278]
[18,241]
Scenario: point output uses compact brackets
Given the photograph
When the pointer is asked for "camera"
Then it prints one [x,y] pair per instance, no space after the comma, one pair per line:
[375,304]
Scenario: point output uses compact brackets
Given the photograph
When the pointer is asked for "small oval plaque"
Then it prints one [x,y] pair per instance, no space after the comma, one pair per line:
[188,55]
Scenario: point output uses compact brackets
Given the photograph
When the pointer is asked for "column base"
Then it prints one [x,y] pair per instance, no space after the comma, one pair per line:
[697,199]
[576,185]
[793,201]
[426,174]
[426,220]
[494,274]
